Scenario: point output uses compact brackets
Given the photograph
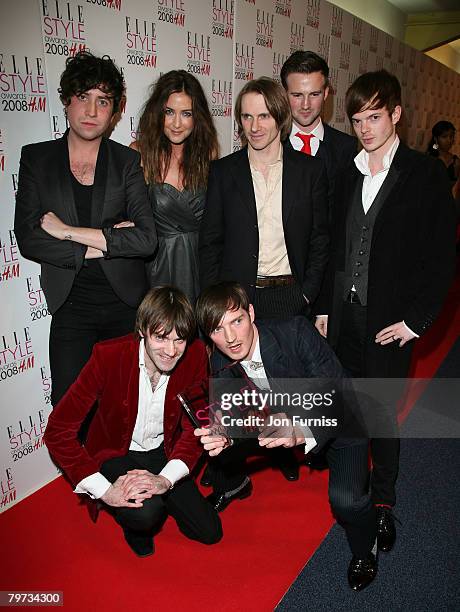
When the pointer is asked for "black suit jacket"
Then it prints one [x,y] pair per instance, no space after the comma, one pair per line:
[119,194]
[229,234]
[292,349]
[337,151]
[412,258]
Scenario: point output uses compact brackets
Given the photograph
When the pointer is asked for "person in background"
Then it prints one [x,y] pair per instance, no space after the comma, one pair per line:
[442,140]
[305,77]
[177,141]
[82,211]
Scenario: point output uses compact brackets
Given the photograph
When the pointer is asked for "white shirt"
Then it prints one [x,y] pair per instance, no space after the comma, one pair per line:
[260,379]
[372,184]
[317,133]
[147,434]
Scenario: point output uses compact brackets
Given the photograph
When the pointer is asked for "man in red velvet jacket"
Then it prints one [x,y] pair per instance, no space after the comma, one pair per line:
[140,446]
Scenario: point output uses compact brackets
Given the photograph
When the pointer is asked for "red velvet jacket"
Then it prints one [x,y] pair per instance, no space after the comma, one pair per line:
[111,377]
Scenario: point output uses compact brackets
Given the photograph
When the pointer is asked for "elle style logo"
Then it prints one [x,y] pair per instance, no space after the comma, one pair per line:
[63,28]
[9,257]
[223,18]
[16,353]
[22,83]
[198,53]
[7,488]
[141,42]
[172,12]
[26,435]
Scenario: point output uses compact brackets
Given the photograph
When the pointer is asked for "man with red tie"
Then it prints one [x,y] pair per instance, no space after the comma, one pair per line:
[305,77]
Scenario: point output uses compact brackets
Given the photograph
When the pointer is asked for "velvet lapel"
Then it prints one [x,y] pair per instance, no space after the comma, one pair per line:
[243,181]
[100,182]
[66,198]
[132,366]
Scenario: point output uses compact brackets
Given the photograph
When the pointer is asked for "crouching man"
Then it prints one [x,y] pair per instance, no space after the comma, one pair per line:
[260,353]
[140,446]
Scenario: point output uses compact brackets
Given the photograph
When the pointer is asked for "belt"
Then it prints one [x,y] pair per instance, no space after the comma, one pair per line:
[275,281]
[353,297]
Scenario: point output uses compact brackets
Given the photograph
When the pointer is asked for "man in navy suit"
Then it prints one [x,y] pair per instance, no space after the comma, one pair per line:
[305,77]
[286,349]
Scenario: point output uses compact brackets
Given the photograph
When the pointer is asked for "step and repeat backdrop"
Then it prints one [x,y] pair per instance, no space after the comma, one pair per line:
[224,43]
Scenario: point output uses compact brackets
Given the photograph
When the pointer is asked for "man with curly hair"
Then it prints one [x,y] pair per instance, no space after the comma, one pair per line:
[83,213]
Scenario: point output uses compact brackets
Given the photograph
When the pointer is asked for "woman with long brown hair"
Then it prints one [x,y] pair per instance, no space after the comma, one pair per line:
[177,141]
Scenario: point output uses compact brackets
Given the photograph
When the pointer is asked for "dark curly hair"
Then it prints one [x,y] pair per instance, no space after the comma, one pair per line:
[85,71]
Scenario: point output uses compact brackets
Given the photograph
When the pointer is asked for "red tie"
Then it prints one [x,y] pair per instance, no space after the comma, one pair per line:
[305,138]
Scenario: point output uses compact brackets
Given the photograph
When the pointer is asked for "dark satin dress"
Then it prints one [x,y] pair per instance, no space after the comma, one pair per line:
[177,217]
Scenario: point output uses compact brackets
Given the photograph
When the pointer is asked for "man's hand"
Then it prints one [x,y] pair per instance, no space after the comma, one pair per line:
[142,483]
[394,333]
[213,444]
[53,226]
[115,496]
[92,253]
[321,325]
[124,224]
[285,435]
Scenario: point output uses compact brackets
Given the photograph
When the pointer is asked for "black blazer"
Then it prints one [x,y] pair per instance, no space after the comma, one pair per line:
[119,194]
[293,349]
[337,150]
[229,234]
[412,258]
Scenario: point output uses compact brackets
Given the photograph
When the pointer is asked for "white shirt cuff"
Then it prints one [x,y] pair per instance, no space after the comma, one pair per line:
[412,332]
[310,441]
[174,470]
[95,485]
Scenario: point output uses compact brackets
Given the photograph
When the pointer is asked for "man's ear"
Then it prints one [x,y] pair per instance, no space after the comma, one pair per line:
[252,315]
[396,115]
[326,92]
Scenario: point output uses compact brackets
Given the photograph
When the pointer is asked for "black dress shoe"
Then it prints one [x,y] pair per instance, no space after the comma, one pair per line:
[206,478]
[361,572]
[386,530]
[139,543]
[289,470]
[219,501]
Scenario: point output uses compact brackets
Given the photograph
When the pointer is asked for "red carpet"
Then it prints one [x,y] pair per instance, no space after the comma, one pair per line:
[431,349]
[49,543]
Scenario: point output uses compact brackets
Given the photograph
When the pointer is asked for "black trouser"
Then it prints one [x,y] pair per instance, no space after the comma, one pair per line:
[279,302]
[75,329]
[195,517]
[384,451]
[348,485]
